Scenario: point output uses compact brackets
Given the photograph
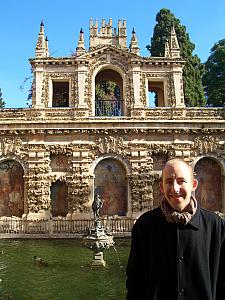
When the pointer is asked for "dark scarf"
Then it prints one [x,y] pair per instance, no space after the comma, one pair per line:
[173,216]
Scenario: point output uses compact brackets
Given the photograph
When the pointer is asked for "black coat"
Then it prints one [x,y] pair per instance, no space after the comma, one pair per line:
[174,261]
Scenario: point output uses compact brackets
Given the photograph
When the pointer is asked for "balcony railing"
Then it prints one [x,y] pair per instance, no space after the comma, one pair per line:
[109,108]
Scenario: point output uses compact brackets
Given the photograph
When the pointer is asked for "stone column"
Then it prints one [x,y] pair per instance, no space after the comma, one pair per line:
[178,87]
[82,74]
[38,189]
[136,74]
[39,74]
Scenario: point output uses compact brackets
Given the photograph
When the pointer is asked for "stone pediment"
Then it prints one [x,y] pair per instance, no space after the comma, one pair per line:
[124,53]
[87,56]
[108,49]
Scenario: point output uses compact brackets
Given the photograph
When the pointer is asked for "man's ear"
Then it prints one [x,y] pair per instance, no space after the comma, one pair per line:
[194,184]
[161,187]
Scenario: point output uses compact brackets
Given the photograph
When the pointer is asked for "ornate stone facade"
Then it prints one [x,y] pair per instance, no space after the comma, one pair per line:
[67,144]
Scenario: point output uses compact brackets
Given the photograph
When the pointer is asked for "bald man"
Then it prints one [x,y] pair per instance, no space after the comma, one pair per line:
[178,249]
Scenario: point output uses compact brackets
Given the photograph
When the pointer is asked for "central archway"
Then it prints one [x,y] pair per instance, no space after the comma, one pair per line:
[108,93]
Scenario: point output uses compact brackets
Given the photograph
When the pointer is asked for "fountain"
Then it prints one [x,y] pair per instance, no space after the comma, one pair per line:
[98,238]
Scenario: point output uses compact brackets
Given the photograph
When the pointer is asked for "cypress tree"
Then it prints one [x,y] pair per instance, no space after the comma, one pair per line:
[2,103]
[214,77]
[193,69]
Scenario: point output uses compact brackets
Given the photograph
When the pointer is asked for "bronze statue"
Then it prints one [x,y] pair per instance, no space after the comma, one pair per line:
[97,205]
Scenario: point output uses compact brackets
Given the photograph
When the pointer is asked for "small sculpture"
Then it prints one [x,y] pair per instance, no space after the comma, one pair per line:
[96,206]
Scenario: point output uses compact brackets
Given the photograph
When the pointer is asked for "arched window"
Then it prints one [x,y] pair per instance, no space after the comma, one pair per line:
[108,94]
[111,185]
[209,191]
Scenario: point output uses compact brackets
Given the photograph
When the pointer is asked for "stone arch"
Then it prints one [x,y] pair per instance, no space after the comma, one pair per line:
[112,102]
[59,198]
[210,190]
[118,73]
[11,188]
[110,182]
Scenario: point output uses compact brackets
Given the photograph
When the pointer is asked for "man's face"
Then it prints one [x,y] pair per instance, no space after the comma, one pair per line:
[177,185]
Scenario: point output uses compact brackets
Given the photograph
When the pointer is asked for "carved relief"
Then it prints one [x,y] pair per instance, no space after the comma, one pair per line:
[205,144]
[109,144]
[9,146]
[79,191]
[38,193]
[60,149]
[162,149]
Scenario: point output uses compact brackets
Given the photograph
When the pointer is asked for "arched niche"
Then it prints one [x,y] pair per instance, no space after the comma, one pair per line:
[109,93]
[11,188]
[111,184]
[209,190]
[59,199]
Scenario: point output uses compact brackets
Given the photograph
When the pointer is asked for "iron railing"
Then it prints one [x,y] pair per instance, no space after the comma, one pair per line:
[109,108]
[61,227]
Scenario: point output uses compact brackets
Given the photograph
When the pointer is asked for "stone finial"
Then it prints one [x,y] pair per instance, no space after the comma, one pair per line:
[80,47]
[174,46]
[134,43]
[40,49]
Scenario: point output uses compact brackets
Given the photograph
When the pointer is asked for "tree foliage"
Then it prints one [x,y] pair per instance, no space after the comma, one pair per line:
[107,90]
[193,69]
[214,77]
[2,103]
[30,80]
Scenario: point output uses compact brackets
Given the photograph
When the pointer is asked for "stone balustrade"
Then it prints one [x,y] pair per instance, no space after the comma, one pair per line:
[65,114]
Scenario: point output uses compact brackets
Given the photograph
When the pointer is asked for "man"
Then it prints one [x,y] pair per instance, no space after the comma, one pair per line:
[178,249]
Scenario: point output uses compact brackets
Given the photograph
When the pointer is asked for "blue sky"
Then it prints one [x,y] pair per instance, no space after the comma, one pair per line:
[20,21]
